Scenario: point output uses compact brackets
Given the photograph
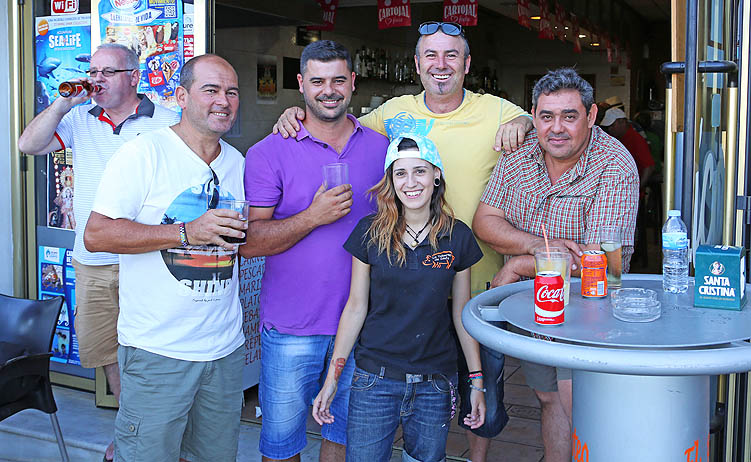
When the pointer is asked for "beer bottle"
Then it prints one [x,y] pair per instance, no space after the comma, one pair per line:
[81,88]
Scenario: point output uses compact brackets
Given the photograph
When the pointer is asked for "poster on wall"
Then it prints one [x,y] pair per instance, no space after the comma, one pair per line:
[154,30]
[62,52]
[57,277]
[189,49]
[267,80]
[60,190]
[251,272]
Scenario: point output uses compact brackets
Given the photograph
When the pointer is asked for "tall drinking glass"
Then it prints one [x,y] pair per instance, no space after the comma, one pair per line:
[335,174]
[610,242]
[555,259]
[239,206]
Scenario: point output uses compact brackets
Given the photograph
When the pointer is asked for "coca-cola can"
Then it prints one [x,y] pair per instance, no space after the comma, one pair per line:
[549,305]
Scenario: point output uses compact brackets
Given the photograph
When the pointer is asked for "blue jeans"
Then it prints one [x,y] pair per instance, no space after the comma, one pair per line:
[293,369]
[377,405]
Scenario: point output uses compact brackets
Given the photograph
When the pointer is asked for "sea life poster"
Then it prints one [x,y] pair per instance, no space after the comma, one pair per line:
[154,30]
[63,52]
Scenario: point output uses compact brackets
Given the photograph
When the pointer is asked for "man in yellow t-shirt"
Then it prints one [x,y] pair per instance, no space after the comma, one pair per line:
[469,129]
[464,137]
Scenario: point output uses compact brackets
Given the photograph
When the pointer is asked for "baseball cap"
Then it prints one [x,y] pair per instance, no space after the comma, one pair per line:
[614,101]
[611,115]
[427,151]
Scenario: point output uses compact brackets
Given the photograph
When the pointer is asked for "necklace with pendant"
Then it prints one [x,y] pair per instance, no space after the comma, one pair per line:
[416,235]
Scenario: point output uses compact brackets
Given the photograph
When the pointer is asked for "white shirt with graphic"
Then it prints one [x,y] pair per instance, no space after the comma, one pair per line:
[181,303]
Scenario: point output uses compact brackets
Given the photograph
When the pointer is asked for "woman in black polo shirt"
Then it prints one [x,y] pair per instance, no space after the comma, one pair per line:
[407,259]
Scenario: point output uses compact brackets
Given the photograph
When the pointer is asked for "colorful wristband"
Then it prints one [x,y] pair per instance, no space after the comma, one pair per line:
[478,388]
[183,235]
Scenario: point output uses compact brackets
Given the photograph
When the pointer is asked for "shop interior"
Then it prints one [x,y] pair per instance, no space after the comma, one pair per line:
[262,40]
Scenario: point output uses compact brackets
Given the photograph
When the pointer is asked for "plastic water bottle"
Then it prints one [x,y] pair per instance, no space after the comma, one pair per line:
[674,254]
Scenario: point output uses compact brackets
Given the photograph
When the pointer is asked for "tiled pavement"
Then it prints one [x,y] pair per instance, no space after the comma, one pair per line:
[520,441]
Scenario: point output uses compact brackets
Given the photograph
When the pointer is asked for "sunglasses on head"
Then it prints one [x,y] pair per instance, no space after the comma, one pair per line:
[212,199]
[448,28]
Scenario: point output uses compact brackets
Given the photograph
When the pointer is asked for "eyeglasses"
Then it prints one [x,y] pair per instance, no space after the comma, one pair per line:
[212,200]
[448,28]
[105,72]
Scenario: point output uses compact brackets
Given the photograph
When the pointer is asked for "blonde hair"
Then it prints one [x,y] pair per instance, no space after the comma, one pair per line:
[388,225]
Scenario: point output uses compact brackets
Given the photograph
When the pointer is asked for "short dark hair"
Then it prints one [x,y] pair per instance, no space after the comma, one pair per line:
[406,144]
[324,51]
[564,78]
[187,73]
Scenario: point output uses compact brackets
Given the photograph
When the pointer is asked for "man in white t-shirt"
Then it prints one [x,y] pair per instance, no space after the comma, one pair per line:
[94,132]
[180,324]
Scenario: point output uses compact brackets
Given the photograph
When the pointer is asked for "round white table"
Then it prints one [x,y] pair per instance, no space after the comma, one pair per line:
[640,390]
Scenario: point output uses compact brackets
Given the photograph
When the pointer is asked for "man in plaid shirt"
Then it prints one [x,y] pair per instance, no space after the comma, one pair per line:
[569,178]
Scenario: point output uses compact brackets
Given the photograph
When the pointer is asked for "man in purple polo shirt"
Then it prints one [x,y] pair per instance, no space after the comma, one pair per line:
[300,226]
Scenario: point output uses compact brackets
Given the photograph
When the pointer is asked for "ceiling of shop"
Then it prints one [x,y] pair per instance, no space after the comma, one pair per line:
[650,10]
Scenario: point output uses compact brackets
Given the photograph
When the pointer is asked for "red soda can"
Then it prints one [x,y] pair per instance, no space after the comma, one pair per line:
[549,298]
[594,274]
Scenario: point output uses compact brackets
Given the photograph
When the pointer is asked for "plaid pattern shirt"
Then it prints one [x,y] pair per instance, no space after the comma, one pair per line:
[602,189]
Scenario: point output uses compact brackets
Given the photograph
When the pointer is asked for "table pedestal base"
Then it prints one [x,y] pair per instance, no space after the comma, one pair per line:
[624,418]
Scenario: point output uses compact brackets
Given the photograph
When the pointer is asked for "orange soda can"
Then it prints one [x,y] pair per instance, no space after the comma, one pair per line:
[594,274]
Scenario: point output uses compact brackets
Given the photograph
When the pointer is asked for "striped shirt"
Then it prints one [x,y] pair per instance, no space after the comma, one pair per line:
[602,189]
[93,137]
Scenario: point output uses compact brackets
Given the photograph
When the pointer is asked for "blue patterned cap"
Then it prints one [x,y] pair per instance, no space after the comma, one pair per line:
[427,151]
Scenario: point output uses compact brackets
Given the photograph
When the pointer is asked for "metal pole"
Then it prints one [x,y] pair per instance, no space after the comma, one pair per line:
[689,114]
[669,153]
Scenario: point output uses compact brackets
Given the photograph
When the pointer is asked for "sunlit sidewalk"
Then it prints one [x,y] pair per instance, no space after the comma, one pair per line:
[87,430]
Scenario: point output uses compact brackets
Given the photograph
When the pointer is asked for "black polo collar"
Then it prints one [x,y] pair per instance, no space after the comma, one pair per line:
[144,109]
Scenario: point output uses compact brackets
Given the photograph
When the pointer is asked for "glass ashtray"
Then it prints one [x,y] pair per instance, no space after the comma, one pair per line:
[635,305]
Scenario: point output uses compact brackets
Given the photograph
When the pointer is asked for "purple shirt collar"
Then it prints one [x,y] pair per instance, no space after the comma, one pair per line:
[304,133]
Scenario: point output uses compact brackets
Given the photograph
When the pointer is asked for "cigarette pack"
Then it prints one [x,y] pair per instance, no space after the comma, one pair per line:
[720,277]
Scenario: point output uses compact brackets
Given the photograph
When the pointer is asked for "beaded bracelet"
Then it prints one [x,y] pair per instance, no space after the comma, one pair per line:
[475,375]
[183,235]
[478,388]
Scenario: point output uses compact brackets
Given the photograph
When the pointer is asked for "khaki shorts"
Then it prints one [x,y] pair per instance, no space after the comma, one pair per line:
[540,377]
[97,308]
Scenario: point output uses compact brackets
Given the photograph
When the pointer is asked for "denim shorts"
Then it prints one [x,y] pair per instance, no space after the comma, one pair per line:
[377,405]
[171,408]
[293,369]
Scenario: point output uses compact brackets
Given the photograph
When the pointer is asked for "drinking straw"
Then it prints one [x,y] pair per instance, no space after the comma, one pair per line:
[545,235]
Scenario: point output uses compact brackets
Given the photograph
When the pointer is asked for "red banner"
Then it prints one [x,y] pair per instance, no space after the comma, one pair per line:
[575,34]
[560,21]
[462,12]
[618,52]
[546,28]
[522,11]
[606,43]
[329,14]
[394,13]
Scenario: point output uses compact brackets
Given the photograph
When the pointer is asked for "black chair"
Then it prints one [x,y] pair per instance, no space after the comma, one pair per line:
[26,330]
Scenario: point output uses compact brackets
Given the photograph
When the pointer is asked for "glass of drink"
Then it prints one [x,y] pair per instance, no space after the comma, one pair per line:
[238,206]
[555,259]
[610,242]
[335,174]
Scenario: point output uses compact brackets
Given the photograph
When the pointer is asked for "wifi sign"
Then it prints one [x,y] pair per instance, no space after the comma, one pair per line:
[64,6]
